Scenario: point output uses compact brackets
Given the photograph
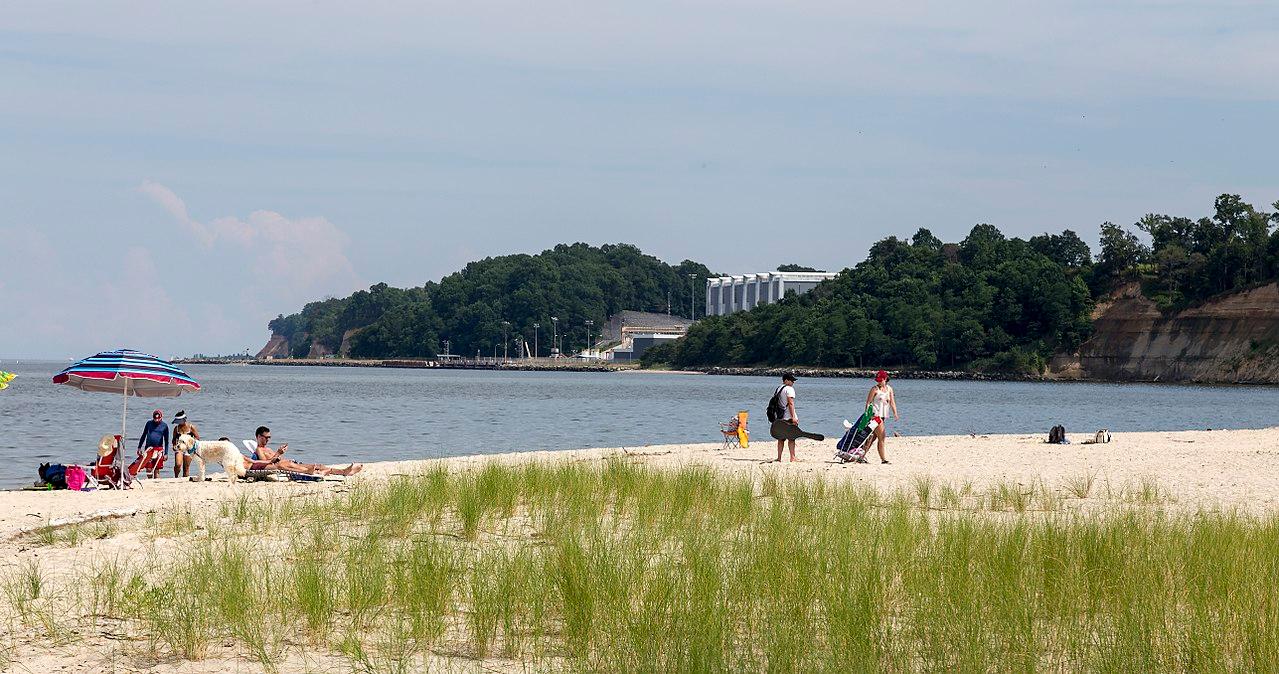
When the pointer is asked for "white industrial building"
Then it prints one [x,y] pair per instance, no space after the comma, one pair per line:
[727,294]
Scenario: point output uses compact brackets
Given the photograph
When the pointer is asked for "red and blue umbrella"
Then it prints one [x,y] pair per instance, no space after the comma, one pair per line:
[128,372]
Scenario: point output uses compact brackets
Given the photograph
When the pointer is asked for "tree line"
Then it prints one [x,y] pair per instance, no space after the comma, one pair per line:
[998,302]
[1182,261]
[573,283]
[988,302]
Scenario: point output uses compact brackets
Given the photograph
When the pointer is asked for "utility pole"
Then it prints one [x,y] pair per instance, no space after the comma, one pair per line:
[692,293]
[555,336]
[446,349]
[506,353]
[590,332]
[535,327]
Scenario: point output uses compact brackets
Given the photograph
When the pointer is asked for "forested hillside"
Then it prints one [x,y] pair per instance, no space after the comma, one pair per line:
[989,301]
[574,282]
[1181,261]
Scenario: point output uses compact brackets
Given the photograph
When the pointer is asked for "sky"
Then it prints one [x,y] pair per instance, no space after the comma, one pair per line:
[173,174]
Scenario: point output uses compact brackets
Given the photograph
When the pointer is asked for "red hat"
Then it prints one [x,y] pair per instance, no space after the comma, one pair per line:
[881,376]
[159,412]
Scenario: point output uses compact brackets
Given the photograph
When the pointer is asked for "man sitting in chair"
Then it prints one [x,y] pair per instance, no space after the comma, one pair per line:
[265,458]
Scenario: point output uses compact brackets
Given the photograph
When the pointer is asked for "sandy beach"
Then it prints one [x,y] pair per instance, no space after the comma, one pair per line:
[1216,470]
[1199,469]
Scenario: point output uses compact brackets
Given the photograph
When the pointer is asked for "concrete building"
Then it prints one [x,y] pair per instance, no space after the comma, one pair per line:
[637,343]
[727,294]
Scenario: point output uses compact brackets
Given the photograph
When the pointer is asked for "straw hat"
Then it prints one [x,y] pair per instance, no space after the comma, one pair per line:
[107,445]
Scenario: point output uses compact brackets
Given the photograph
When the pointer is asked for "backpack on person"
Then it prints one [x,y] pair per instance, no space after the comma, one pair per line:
[776,409]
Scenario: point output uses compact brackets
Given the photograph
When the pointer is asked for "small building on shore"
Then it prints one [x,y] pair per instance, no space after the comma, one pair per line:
[729,294]
[633,348]
[628,334]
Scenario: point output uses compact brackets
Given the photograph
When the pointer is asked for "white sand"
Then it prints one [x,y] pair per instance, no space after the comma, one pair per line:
[1196,469]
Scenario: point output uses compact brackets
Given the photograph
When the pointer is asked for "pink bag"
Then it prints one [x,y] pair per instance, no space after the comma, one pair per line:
[75,478]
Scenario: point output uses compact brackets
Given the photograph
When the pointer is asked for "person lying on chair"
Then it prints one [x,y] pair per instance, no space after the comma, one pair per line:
[265,458]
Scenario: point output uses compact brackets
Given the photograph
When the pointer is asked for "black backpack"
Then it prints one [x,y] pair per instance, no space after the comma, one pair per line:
[775,408]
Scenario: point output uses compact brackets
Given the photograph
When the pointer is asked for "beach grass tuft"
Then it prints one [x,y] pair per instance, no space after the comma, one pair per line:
[622,567]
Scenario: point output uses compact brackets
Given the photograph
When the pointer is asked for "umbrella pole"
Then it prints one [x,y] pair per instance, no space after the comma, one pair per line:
[125,414]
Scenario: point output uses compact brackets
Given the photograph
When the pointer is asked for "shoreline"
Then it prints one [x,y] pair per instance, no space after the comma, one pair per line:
[1198,469]
[544,365]
[770,371]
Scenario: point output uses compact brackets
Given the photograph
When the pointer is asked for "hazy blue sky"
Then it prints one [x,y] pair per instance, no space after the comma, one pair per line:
[172,175]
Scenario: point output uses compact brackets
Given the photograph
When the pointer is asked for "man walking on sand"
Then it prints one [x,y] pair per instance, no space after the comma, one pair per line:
[786,399]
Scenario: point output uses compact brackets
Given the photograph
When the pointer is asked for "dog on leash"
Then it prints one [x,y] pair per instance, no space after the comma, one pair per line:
[214,451]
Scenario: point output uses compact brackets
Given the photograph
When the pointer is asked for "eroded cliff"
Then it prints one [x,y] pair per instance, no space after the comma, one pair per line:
[1232,339]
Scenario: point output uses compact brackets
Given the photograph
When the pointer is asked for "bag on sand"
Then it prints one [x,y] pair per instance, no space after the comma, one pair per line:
[1102,436]
[75,477]
[54,474]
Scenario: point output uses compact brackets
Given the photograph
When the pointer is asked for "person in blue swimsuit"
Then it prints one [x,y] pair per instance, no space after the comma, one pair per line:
[155,436]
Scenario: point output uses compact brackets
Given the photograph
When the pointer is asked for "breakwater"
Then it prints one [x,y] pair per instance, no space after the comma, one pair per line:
[526,365]
[938,375]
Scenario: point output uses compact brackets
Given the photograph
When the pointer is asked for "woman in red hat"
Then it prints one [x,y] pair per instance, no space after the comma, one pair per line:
[881,398]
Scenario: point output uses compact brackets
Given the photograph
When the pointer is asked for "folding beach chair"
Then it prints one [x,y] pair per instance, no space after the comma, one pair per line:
[735,431]
[150,461]
[108,469]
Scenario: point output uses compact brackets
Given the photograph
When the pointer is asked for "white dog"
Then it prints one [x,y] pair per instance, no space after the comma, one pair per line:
[215,451]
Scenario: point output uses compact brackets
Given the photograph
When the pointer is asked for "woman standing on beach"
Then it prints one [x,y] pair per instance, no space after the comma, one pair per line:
[881,398]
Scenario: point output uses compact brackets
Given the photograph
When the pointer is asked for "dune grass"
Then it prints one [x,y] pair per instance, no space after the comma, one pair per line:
[620,567]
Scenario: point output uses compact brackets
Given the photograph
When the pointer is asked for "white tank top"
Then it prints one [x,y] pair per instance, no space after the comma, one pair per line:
[880,403]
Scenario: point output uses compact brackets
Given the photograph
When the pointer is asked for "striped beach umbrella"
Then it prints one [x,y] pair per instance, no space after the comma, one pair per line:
[5,378]
[130,373]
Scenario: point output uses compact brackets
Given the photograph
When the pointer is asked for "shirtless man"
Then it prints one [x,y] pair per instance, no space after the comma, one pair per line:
[265,457]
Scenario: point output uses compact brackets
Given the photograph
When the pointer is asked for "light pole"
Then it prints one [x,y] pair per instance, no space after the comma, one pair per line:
[535,327]
[555,336]
[692,293]
[589,333]
[506,354]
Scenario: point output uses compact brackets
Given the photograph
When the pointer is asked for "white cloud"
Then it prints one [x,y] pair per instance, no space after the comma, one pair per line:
[292,260]
[213,293]
[69,306]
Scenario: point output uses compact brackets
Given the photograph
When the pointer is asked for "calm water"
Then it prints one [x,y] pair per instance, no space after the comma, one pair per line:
[332,415]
